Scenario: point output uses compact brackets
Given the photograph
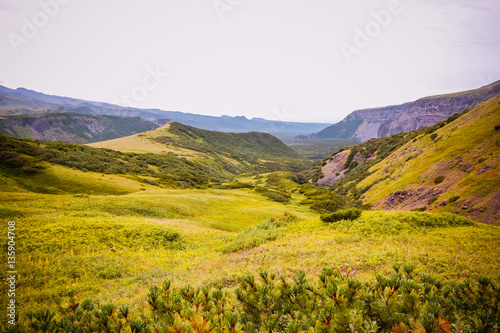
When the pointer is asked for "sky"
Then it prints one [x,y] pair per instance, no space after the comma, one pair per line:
[289,60]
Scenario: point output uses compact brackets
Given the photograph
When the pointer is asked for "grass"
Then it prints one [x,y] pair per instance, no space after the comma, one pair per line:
[112,248]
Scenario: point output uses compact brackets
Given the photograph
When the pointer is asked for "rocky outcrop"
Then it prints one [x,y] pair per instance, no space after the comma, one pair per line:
[366,124]
[72,127]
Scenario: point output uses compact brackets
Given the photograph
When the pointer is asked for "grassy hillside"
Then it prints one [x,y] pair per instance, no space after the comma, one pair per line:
[72,127]
[450,167]
[454,169]
[235,152]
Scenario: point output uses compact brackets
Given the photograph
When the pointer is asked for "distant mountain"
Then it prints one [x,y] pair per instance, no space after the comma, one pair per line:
[449,167]
[72,127]
[363,125]
[22,100]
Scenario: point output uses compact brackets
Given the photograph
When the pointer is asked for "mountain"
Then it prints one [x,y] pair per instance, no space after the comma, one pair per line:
[452,167]
[82,127]
[22,100]
[363,125]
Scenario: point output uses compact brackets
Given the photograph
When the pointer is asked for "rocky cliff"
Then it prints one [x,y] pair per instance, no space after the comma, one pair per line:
[366,124]
[72,127]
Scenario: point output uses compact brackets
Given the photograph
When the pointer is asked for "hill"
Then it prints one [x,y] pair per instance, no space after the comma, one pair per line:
[73,127]
[237,152]
[21,100]
[449,167]
[363,125]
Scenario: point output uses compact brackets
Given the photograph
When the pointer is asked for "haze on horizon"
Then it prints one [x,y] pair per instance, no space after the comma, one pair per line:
[289,60]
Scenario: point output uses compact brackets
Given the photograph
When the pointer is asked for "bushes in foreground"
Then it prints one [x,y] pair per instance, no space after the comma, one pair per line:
[399,302]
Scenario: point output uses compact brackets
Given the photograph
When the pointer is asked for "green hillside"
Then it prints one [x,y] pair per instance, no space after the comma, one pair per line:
[450,167]
[234,152]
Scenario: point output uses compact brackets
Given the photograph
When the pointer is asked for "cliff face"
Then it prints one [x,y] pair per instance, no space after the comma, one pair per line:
[72,127]
[367,124]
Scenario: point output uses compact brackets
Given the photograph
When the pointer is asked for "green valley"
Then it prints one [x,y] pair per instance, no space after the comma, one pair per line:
[187,230]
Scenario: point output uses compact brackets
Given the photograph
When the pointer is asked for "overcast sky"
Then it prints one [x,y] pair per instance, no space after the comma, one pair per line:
[293,60]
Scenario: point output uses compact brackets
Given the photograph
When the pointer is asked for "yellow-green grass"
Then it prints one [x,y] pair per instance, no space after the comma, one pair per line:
[471,138]
[68,242]
[56,179]
[144,143]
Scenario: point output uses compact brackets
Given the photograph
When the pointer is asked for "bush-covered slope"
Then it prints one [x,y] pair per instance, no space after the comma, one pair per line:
[235,152]
[452,166]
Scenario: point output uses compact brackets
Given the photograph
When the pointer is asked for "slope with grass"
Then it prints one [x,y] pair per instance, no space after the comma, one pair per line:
[452,168]
[237,152]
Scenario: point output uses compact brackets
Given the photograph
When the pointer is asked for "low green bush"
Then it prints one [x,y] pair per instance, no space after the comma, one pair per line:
[344,214]
[439,180]
[402,301]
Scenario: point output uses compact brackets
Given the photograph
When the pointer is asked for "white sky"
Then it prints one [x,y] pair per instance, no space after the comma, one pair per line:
[278,59]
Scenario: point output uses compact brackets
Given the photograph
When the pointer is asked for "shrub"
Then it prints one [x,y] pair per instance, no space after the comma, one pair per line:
[326,206]
[402,301]
[454,199]
[497,127]
[276,196]
[345,214]
[438,180]
[433,136]
[432,200]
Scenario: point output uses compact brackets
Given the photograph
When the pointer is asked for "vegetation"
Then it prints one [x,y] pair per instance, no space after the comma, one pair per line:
[344,214]
[398,302]
[318,149]
[341,130]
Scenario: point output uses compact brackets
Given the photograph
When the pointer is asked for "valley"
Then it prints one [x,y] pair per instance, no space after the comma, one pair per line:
[186,230]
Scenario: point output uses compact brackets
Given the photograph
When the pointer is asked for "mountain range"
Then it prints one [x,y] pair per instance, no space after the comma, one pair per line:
[23,101]
[363,125]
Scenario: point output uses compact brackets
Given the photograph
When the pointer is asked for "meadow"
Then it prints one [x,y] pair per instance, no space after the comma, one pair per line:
[112,249]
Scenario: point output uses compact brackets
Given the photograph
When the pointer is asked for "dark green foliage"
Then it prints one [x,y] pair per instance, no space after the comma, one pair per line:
[497,127]
[432,200]
[318,149]
[399,302]
[7,213]
[344,214]
[172,170]
[439,179]
[260,152]
[453,199]
[275,196]
[420,209]
[434,136]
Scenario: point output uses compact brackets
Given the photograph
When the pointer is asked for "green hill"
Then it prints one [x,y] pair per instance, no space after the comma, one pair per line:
[234,152]
[450,167]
